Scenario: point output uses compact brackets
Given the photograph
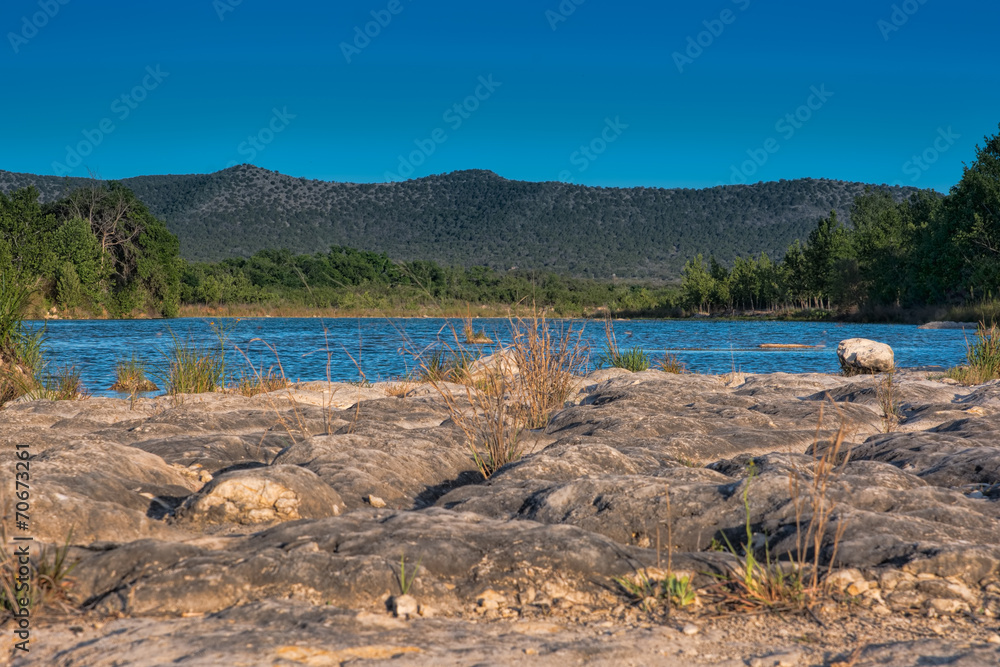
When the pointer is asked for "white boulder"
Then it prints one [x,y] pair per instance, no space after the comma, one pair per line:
[860,355]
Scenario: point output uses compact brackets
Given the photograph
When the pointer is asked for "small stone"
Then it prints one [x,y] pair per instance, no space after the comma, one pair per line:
[789,659]
[889,580]
[945,607]
[857,588]
[404,606]
[530,651]
[425,611]
[783,659]
[993,639]
[490,600]
[204,476]
[842,580]
[375,501]
[690,629]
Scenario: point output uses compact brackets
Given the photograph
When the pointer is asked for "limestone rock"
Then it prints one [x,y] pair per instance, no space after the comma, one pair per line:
[261,495]
[860,355]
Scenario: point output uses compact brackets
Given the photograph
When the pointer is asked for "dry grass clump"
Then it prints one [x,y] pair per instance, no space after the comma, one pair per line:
[798,580]
[888,401]
[47,581]
[446,366]
[61,385]
[982,357]
[130,376]
[490,416]
[514,389]
[473,337]
[192,369]
[548,362]
[258,382]
[399,388]
[671,364]
[632,359]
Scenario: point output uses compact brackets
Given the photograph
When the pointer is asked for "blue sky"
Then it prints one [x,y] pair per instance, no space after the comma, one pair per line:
[601,93]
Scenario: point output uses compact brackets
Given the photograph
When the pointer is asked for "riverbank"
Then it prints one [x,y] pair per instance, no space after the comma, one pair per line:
[286,527]
[460,310]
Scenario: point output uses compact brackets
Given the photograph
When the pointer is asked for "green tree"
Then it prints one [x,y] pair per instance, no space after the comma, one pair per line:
[697,284]
[828,243]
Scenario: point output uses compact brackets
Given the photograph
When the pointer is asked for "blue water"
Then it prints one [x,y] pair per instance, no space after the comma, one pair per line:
[386,348]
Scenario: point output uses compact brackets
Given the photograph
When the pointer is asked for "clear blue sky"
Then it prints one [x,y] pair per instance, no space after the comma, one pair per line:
[599,75]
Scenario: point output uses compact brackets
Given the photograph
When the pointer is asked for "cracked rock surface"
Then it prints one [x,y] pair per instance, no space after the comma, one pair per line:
[222,530]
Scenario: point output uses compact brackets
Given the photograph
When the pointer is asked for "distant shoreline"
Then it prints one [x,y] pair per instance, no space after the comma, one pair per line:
[908,317]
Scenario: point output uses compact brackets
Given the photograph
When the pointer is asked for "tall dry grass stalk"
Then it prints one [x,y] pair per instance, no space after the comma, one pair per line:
[888,400]
[490,415]
[812,496]
[514,389]
[547,362]
[799,580]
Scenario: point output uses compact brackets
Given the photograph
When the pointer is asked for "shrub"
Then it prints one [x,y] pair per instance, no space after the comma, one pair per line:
[633,359]
[547,363]
[20,351]
[982,357]
[191,369]
[130,376]
[671,364]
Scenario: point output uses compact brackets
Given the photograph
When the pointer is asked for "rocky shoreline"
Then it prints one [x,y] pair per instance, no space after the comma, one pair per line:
[222,530]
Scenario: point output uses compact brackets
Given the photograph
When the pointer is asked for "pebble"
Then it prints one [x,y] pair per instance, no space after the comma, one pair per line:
[404,606]
[993,639]
[784,659]
[375,501]
[690,629]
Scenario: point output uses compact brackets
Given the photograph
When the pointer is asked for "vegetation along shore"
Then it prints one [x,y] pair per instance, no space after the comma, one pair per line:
[98,251]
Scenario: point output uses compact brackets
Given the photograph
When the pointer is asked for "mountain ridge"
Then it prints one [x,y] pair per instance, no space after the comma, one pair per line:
[477,217]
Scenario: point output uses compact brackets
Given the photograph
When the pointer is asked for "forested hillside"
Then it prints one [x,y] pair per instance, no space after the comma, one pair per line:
[473,218]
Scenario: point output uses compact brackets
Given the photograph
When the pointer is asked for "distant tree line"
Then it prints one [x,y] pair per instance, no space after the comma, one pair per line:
[924,250]
[351,279]
[98,248]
